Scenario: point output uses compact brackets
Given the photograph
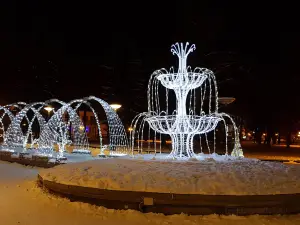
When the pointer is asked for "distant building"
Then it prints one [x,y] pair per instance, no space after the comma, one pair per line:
[91,126]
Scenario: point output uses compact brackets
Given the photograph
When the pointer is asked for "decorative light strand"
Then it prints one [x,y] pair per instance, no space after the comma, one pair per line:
[183,125]
[56,130]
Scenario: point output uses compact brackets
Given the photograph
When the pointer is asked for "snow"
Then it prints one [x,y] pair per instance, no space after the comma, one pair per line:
[209,176]
[22,202]
[273,157]
[70,157]
[81,151]
[7,150]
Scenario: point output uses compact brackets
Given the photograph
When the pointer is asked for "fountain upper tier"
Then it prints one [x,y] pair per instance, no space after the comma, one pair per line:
[184,80]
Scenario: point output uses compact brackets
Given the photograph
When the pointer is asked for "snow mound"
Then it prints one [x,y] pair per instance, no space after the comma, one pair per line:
[210,177]
[81,151]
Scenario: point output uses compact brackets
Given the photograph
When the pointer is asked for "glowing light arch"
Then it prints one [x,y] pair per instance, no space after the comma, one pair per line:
[15,136]
[85,102]
[2,127]
[49,135]
[57,130]
[117,134]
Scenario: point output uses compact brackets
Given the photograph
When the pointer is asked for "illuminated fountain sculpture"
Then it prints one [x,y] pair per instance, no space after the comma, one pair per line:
[181,125]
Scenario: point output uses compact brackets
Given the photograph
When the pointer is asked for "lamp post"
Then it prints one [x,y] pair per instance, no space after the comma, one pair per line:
[130,129]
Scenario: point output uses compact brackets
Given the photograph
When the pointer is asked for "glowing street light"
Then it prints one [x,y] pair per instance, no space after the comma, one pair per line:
[48,109]
[130,129]
[115,106]
[226,100]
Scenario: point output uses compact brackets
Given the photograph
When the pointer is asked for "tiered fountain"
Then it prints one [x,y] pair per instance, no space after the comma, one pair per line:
[181,125]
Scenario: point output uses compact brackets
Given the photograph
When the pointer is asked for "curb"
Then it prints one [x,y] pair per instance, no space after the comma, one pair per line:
[35,161]
[168,203]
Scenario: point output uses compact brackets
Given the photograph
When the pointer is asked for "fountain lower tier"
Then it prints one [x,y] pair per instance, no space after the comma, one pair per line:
[187,80]
[188,124]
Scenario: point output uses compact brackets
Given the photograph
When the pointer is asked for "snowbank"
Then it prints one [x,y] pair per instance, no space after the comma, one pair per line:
[21,202]
[232,177]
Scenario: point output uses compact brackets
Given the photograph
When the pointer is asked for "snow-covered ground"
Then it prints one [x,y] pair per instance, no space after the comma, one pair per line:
[76,156]
[22,202]
[272,157]
[231,177]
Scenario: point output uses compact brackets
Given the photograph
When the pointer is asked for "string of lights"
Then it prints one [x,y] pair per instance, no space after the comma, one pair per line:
[64,127]
[183,124]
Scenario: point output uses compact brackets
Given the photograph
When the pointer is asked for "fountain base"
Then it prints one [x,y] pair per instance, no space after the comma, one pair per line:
[182,146]
[174,186]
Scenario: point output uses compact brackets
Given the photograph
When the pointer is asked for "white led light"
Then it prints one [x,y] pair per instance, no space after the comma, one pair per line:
[60,130]
[115,106]
[182,124]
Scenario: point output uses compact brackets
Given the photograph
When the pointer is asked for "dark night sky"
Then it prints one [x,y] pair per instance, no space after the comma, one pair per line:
[70,51]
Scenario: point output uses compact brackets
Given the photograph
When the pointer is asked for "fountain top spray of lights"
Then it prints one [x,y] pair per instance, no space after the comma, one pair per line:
[180,125]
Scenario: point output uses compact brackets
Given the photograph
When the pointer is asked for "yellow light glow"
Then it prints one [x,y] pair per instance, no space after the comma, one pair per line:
[130,129]
[81,127]
[115,106]
[48,108]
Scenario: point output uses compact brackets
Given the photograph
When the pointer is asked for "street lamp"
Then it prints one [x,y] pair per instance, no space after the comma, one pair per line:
[130,129]
[81,127]
[115,106]
[226,100]
[48,108]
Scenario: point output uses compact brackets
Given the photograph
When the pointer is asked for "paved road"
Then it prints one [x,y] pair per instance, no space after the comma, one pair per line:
[275,151]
